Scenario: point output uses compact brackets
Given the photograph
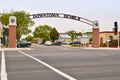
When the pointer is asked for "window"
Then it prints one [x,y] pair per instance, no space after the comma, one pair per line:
[110,38]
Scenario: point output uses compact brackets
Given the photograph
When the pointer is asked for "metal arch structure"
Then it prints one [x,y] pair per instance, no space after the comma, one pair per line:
[94,24]
[61,15]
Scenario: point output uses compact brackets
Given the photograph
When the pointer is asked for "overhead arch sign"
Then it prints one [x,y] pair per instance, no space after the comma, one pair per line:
[61,15]
[94,23]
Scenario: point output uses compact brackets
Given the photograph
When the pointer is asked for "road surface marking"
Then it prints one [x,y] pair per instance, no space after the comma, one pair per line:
[3,67]
[49,66]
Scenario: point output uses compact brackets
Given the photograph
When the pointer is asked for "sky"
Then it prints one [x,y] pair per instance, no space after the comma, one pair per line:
[105,11]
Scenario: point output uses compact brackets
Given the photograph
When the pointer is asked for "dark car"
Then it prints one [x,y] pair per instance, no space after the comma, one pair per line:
[76,43]
[23,44]
[57,43]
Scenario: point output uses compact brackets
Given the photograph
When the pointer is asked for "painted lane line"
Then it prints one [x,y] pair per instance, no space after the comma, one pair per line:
[49,66]
[3,67]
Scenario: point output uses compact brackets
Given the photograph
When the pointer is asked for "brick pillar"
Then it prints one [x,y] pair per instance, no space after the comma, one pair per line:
[95,43]
[12,36]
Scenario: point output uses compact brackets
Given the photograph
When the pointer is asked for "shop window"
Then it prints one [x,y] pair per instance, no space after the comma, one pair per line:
[110,38]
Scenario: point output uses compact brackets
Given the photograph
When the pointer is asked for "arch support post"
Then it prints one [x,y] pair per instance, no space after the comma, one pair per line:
[12,32]
[95,30]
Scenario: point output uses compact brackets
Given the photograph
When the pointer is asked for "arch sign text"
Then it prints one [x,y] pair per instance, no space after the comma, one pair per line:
[61,15]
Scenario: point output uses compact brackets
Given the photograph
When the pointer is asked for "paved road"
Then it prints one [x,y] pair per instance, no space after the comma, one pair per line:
[61,63]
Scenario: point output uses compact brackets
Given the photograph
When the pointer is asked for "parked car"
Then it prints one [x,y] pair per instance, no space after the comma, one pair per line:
[23,44]
[48,43]
[76,42]
[57,43]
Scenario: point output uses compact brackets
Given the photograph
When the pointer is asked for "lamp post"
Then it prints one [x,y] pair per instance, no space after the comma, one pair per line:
[5,36]
[1,29]
[118,38]
[116,29]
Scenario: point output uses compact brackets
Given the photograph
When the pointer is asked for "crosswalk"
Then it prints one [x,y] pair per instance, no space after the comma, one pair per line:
[3,67]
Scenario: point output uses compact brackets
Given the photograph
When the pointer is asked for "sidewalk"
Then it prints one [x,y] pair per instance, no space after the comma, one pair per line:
[100,48]
[12,49]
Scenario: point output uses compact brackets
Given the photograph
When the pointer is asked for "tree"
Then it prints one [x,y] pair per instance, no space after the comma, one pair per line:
[78,34]
[88,33]
[29,38]
[5,20]
[34,40]
[72,34]
[23,22]
[54,35]
[43,32]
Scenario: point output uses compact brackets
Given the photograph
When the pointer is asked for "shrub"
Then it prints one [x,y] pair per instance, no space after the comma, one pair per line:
[113,43]
[104,45]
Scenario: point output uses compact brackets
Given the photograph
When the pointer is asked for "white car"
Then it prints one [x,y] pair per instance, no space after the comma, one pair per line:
[48,43]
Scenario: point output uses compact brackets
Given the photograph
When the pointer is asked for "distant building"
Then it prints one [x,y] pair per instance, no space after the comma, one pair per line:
[107,36]
[64,37]
[104,37]
[84,39]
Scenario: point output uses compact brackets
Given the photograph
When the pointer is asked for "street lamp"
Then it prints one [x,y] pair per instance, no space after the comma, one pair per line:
[1,32]
[116,30]
[5,35]
[118,38]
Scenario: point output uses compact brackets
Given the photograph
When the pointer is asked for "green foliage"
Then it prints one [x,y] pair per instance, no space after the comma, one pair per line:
[34,40]
[54,35]
[88,33]
[90,39]
[43,32]
[72,34]
[23,22]
[114,43]
[79,34]
[5,18]
[29,38]
[104,45]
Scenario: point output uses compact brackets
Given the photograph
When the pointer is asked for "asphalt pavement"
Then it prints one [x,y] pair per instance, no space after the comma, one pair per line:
[62,63]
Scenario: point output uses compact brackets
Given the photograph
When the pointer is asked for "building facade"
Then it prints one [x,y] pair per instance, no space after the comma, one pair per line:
[107,36]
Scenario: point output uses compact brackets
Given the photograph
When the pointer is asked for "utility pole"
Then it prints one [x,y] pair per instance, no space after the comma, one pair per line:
[116,29]
[118,38]
[1,30]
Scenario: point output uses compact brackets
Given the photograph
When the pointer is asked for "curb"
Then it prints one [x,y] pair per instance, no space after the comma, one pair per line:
[103,48]
[14,49]
[90,48]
